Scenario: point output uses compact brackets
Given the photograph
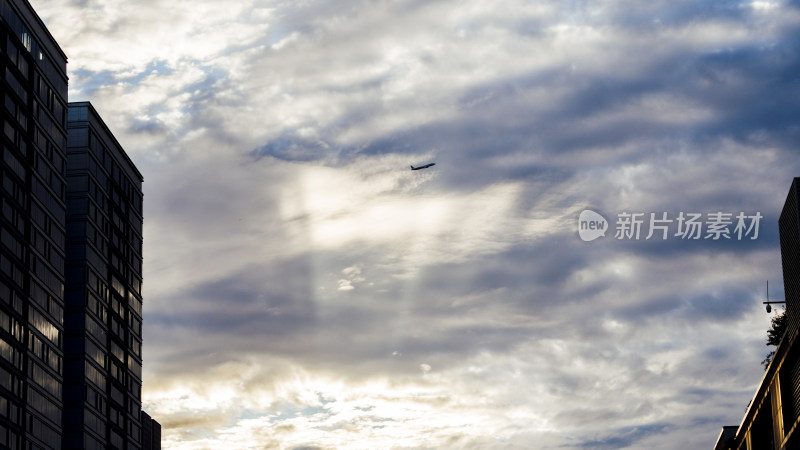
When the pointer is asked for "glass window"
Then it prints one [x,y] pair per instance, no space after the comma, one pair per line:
[78,113]
[78,137]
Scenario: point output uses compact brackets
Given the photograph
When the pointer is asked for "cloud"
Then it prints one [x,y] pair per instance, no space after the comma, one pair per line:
[305,289]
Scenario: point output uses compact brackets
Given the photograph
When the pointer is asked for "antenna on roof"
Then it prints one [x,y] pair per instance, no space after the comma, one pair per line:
[769,303]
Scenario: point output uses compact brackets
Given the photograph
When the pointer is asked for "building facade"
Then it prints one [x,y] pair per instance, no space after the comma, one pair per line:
[771,421]
[32,231]
[70,259]
[103,292]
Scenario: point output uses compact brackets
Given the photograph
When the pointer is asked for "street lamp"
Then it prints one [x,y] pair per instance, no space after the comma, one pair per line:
[769,303]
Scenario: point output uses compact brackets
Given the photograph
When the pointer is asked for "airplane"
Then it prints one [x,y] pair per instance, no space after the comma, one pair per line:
[423,167]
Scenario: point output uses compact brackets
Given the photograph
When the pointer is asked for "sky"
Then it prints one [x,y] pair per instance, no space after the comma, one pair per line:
[304,289]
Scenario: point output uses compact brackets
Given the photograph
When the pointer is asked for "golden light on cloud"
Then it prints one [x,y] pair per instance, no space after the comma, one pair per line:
[297,407]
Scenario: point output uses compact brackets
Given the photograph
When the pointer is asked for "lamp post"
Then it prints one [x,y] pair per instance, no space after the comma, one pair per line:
[769,303]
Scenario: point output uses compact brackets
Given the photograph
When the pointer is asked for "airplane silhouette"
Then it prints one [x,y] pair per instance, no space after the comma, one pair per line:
[423,167]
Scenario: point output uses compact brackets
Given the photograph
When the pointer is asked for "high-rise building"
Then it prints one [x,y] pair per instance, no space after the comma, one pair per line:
[70,259]
[103,292]
[32,230]
[772,419]
[789,227]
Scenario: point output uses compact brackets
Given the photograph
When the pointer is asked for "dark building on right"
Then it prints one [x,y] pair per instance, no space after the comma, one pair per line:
[771,421]
[789,227]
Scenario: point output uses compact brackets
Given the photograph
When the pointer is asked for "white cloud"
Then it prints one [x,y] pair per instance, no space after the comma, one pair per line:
[303,287]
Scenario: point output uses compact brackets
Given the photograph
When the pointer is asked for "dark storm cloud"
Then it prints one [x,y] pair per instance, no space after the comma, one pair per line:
[277,303]
[719,307]
[272,308]
[748,92]
[625,437]
[294,148]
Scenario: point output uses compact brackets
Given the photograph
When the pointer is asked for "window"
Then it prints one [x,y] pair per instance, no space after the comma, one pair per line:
[96,330]
[117,396]
[14,163]
[10,382]
[78,113]
[78,137]
[42,404]
[11,270]
[117,328]
[9,410]
[47,328]
[93,422]
[94,352]
[96,400]
[136,347]
[95,376]
[15,191]
[135,367]
[44,379]
[117,351]
[27,40]
[10,354]
[12,243]
[118,287]
[44,433]
[16,86]
[13,216]
[10,131]
[116,440]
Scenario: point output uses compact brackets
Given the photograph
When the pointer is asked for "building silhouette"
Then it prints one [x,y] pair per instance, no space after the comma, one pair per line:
[773,417]
[34,92]
[103,290]
[70,259]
